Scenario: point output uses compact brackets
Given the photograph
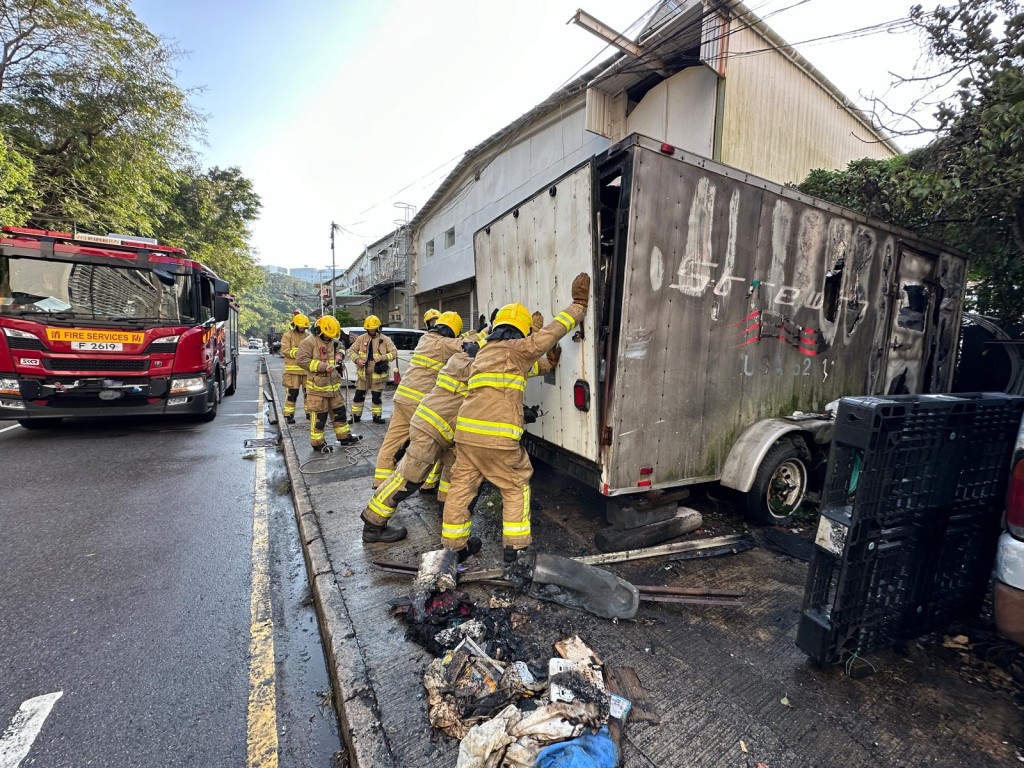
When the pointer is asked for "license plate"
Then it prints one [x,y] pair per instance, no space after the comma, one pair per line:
[97,346]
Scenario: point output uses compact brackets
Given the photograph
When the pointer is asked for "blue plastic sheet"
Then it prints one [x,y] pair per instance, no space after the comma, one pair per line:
[590,751]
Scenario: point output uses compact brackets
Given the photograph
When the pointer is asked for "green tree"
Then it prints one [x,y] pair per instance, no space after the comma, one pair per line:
[209,215]
[270,304]
[17,193]
[966,188]
[87,93]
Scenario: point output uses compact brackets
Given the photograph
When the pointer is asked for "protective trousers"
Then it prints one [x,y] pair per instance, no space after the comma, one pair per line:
[394,439]
[376,406]
[509,471]
[430,483]
[324,409]
[420,456]
[293,382]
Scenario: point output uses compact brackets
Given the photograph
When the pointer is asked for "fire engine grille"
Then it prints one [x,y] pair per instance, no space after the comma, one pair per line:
[96,365]
[15,342]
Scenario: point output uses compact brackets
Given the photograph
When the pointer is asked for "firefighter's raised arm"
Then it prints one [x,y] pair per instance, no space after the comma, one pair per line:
[539,342]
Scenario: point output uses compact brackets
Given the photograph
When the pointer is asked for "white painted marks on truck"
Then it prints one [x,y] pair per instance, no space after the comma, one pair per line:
[695,268]
[810,243]
[17,739]
[728,276]
[782,227]
[657,269]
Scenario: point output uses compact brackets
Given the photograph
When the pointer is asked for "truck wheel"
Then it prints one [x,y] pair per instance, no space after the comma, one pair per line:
[40,423]
[234,379]
[780,484]
[216,388]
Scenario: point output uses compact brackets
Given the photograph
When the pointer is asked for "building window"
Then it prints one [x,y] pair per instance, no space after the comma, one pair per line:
[449,238]
[430,248]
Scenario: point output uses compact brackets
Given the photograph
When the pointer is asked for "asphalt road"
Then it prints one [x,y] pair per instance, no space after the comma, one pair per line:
[129,563]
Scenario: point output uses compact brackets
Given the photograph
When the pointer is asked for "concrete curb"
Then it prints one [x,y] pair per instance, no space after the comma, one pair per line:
[354,698]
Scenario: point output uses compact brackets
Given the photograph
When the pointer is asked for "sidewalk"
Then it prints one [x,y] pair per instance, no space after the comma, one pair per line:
[718,677]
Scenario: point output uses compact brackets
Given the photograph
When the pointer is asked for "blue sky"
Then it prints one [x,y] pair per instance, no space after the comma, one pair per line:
[336,109]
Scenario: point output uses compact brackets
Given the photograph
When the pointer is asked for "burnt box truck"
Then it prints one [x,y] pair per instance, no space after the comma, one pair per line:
[727,313]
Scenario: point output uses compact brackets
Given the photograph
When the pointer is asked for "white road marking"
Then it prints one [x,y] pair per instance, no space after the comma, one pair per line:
[8,429]
[17,740]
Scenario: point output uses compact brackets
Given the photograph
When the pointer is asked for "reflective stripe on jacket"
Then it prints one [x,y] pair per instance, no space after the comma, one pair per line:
[316,358]
[429,357]
[290,348]
[492,415]
[435,415]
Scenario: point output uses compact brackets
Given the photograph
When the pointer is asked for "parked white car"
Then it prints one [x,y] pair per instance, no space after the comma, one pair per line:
[405,340]
[1008,603]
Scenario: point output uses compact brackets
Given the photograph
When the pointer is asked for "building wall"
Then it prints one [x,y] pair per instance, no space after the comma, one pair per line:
[536,159]
[778,122]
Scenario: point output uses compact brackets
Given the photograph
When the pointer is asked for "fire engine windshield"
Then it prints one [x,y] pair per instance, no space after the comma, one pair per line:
[94,291]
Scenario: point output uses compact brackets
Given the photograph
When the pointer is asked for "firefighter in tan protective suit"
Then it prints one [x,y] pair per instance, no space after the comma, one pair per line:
[322,356]
[432,442]
[490,422]
[433,350]
[373,353]
[294,378]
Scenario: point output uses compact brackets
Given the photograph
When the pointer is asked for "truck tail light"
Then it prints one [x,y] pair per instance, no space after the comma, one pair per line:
[581,395]
[645,477]
[1015,500]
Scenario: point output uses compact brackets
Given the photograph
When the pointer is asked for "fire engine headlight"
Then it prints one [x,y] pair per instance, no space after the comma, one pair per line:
[189,385]
[9,387]
[20,334]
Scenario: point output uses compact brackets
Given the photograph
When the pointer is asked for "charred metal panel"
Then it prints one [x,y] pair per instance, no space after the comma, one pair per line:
[742,302]
[530,255]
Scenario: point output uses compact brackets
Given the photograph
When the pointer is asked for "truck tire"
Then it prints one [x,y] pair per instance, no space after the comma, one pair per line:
[230,390]
[780,484]
[216,390]
[40,423]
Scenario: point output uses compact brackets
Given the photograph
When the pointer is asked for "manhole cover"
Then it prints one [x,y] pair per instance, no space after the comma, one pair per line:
[260,442]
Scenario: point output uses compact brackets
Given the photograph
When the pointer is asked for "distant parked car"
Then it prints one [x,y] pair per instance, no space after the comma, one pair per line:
[255,344]
[1009,573]
[405,340]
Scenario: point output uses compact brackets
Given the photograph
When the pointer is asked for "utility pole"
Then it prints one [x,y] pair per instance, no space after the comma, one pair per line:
[334,305]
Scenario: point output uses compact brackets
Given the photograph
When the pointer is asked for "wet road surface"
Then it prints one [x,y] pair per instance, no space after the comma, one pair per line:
[127,575]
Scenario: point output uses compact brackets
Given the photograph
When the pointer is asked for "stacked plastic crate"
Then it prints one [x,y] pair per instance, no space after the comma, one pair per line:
[910,516]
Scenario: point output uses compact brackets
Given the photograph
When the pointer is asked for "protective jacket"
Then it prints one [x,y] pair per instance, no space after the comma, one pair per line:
[429,357]
[372,350]
[290,348]
[317,357]
[435,415]
[492,414]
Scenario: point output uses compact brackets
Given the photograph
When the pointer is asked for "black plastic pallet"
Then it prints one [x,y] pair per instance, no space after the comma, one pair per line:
[910,517]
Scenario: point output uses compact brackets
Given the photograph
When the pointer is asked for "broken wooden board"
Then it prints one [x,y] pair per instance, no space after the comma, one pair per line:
[624,682]
[685,521]
[574,649]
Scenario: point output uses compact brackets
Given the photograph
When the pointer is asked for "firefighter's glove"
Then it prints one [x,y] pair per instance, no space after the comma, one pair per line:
[481,324]
[381,366]
[581,289]
[538,321]
[531,413]
[554,355]
[470,348]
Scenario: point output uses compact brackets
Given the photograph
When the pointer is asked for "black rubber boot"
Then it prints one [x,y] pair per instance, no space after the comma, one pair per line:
[356,417]
[472,547]
[511,554]
[308,417]
[289,419]
[379,420]
[382,534]
[350,440]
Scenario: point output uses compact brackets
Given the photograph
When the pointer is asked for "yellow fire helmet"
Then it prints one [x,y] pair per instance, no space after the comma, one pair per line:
[451,319]
[430,314]
[300,321]
[328,326]
[515,315]
[371,323]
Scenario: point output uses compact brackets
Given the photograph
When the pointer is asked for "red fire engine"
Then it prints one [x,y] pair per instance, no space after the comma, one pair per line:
[110,326]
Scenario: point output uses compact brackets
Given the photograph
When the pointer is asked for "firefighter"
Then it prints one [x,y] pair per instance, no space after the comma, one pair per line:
[490,422]
[294,377]
[322,357]
[373,353]
[433,350]
[432,444]
[430,317]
